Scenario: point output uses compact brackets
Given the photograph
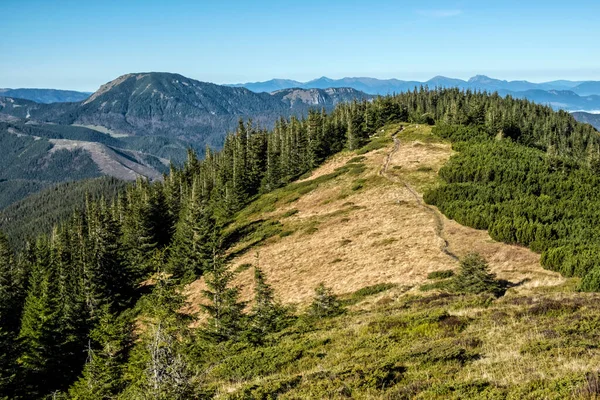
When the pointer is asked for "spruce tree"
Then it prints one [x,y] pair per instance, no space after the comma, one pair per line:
[11,297]
[474,277]
[224,309]
[267,315]
[138,240]
[158,367]
[106,356]
[194,240]
[325,303]
[41,332]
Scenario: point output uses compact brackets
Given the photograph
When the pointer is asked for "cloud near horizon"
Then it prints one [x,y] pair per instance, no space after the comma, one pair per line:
[440,13]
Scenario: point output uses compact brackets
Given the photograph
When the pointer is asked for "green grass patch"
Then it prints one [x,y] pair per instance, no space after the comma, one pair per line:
[289,213]
[372,290]
[356,160]
[358,184]
[445,274]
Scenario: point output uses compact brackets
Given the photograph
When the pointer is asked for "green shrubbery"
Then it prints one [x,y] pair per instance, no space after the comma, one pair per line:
[522,195]
[474,277]
[445,274]
[325,303]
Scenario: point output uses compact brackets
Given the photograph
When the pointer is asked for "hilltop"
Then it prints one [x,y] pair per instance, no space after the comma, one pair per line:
[368,226]
[366,233]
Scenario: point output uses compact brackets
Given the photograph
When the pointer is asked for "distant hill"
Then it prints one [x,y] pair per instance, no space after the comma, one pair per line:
[386,86]
[558,99]
[270,85]
[45,95]
[587,88]
[588,118]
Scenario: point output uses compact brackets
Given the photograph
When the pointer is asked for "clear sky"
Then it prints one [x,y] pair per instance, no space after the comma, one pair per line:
[81,44]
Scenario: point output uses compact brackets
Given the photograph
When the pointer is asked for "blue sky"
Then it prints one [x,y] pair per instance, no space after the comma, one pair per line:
[81,44]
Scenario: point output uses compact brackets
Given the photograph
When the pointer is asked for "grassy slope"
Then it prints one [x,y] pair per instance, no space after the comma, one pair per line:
[353,228]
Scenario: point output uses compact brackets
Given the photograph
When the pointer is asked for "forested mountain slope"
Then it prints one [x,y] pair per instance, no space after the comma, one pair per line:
[588,118]
[97,309]
[36,156]
[38,213]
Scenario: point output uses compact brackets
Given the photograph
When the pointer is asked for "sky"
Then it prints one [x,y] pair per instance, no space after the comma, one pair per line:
[80,45]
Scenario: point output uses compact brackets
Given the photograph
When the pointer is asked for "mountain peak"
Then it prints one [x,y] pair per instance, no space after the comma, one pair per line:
[480,78]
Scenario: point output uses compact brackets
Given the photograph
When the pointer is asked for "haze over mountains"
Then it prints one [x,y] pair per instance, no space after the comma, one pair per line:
[386,86]
[560,94]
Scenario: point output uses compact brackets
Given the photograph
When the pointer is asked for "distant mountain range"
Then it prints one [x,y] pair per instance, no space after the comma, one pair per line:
[388,86]
[561,94]
[45,95]
[174,106]
[133,126]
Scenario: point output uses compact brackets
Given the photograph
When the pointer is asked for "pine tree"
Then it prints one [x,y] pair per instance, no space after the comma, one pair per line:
[107,350]
[474,277]
[195,238]
[11,298]
[138,240]
[41,329]
[73,319]
[105,276]
[224,308]
[158,368]
[267,314]
[325,303]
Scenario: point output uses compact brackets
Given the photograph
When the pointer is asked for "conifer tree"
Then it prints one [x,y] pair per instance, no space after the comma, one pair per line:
[194,240]
[474,277]
[159,368]
[138,240]
[325,303]
[41,331]
[106,356]
[224,308]
[267,314]
[106,278]
[11,297]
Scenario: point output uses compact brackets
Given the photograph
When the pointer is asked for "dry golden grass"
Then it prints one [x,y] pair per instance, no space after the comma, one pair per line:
[386,236]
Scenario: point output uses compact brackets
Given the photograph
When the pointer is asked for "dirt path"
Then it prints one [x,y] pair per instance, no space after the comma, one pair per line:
[439,221]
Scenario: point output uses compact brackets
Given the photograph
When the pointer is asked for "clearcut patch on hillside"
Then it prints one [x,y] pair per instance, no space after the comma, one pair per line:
[126,165]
